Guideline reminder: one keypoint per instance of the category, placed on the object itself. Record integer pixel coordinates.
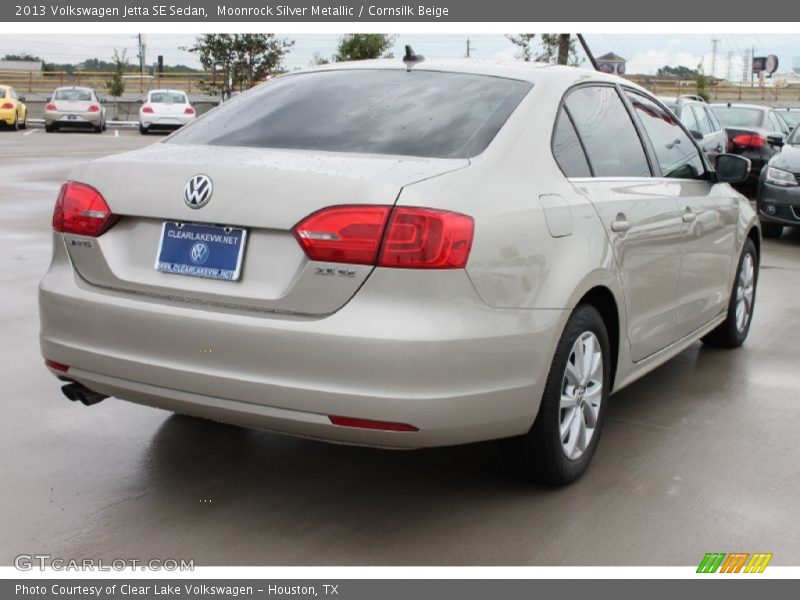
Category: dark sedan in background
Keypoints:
(755, 132)
(778, 199)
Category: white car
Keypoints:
(165, 109)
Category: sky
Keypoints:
(645, 53)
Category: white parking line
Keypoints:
(30, 132)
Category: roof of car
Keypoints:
(533, 72)
(74, 87)
(736, 105)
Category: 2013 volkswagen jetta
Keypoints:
(403, 257)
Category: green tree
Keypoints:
(361, 46)
(239, 60)
(523, 42)
(679, 71)
(116, 85)
(23, 56)
(558, 48)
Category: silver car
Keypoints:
(367, 254)
(74, 107)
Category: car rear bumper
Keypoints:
(82, 119)
(778, 204)
(418, 348)
(172, 122)
(7, 116)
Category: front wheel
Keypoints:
(560, 445)
(732, 332)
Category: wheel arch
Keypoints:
(602, 299)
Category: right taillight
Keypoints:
(82, 210)
(403, 237)
(750, 140)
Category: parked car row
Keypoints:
(80, 107)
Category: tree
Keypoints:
(523, 42)
(318, 59)
(560, 48)
(680, 72)
(239, 60)
(362, 46)
(24, 56)
(116, 85)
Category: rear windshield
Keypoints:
(167, 98)
(78, 95)
(416, 113)
(739, 117)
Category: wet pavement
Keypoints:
(702, 455)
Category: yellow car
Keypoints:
(13, 111)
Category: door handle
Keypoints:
(688, 216)
(621, 224)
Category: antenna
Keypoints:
(411, 59)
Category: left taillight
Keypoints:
(7, 105)
(82, 210)
(401, 237)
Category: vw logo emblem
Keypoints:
(198, 191)
(199, 253)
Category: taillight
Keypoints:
(750, 140)
(147, 109)
(7, 105)
(403, 237)
(93, 108)
(81, 209)
(189, 111)
(50, 106)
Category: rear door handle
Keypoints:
(689, 216)
(621, 225)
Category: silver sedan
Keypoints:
(399, 256)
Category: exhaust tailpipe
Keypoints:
(77, 392)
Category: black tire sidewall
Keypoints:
(544, 449)
(740, 336)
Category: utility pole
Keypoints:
(746, 65)
(714, 44)
(563, 48)
(142, 54)
(468, 47)
(729, 62)
(752, 73)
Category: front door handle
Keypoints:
(689, 216)
(621, 224)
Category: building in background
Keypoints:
(20, 65)
(611, 63)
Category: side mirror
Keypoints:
(775, 139)
(140, 101)
(49, 99)
(103, 101)
(696, 134)
(22, 98)
(732, 168)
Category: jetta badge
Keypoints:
(198, 191)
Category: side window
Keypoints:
(703, 124)
(12, 94)
(601, 120)
(714, 120)
(676, 153)
(567, 148)
(689, 120)
(777, 123)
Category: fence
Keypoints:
(45, 82)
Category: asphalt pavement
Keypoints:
(700, 456)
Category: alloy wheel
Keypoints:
(581, 395)
(745, 288)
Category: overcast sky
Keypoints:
(645, 53)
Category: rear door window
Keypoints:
(675, 151)
(373, 111)
(612, 144)
(567, 148)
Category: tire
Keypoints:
(48, 128)
(732, 332)
(15, 125)
(143, 130)
(24, 124)
(98, 129)
(771, 230)
(542, 453)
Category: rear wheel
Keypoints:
(560, 445)
(15, 124)
(771, 230)
(143, 130)
(98, 129)
(732, 332)
(24, 124)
